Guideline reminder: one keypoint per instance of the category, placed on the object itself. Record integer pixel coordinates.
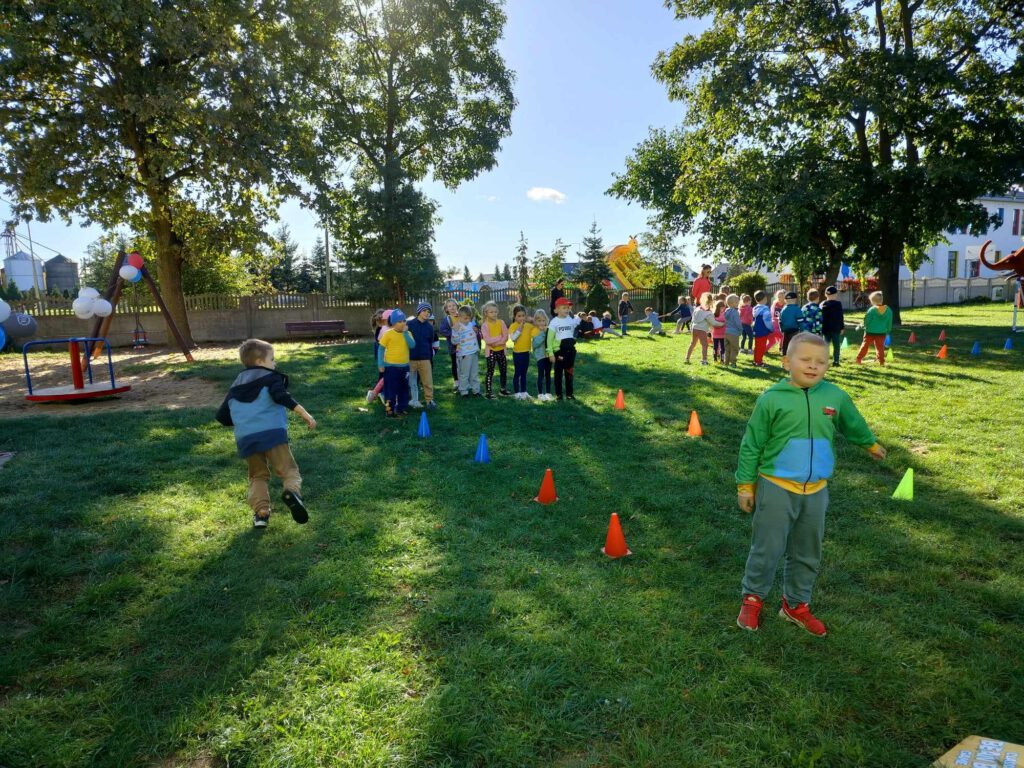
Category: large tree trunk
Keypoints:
(169, 259)
(889, 274)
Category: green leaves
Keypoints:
(834, 128)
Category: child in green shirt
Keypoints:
(877, 325)
(786, 458)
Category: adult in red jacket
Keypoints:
(702, 284)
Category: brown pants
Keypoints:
(424, 371)
(732, 348)
(876, 339)
(281, 460)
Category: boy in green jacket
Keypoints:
(877, 325)
(786, 458)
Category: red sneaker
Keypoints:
(801, 616)
(750, 613)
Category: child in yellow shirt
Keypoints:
(521, 332)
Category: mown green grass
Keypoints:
(431, 615)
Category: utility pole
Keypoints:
(32, 254)
(327, 257)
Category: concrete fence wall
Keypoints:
(230, 319)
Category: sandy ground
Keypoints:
(151, 390)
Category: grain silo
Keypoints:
(19, 268)
(61, 274)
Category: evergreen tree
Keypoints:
(497, 272)
(480, 277)
(522, 270)
(284, 274)
(466, 274)
(318, 267)
(593, 266)
(506, 272)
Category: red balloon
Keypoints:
(135, 259)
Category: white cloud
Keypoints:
(546, 194)
(492, 199)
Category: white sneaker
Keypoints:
(527, 396)
(369, 396)
(417, 404)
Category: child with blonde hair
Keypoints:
(877, 325)
(543, 349)
(444, 330)
(747, 324)
(703, 321)
(733, 328)
(495, 336)
(718, 331)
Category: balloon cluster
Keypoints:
(89, 303)
(131, 272)
(14, 325)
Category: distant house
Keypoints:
(61, 274)
(959, 258)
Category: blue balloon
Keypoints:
(3, 339)
(138, 276)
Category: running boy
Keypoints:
(877, 325)
(257, 407)
(786, 458)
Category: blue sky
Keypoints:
(586, 98)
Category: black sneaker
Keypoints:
(504, 392)
(465, 396)
(477, 394)
(260, 522)
(294, 502)
(489, 395)
(570, 397)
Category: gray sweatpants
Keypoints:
(469, 373)
(786, 525)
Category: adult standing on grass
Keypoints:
(625, 309)
(702, 284)
(557, 293)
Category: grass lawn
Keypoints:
(431, 615)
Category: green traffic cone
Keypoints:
(845, 344)
(905, 490)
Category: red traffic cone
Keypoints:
(615, 543)
(620, 401)
(546, 495)
(942, 353)
(694, 429)
(912, 339)
(942, 336)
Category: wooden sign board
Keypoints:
(979, 752)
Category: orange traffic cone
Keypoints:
(942, 336)
(694, 429)
(546, 495)
(615, 543)
(912, 339)
(942, 353)
(620, 401)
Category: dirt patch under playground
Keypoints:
(155, 388)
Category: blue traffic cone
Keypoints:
(1008, 344)
(888, 341)
(424, 426)
(976, 349)
(482, 455)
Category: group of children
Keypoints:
(746, 324)
(785, 458)
(404, 350)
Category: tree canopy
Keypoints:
(820, 131)
(137, 113)
(408, 89)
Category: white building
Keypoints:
(959, 258)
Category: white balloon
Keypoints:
(102, 308)
(83, 307)
(88, 293)
(5, 310)
(128, 272)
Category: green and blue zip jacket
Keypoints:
(790, 435)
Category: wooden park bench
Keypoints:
(319, 327)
